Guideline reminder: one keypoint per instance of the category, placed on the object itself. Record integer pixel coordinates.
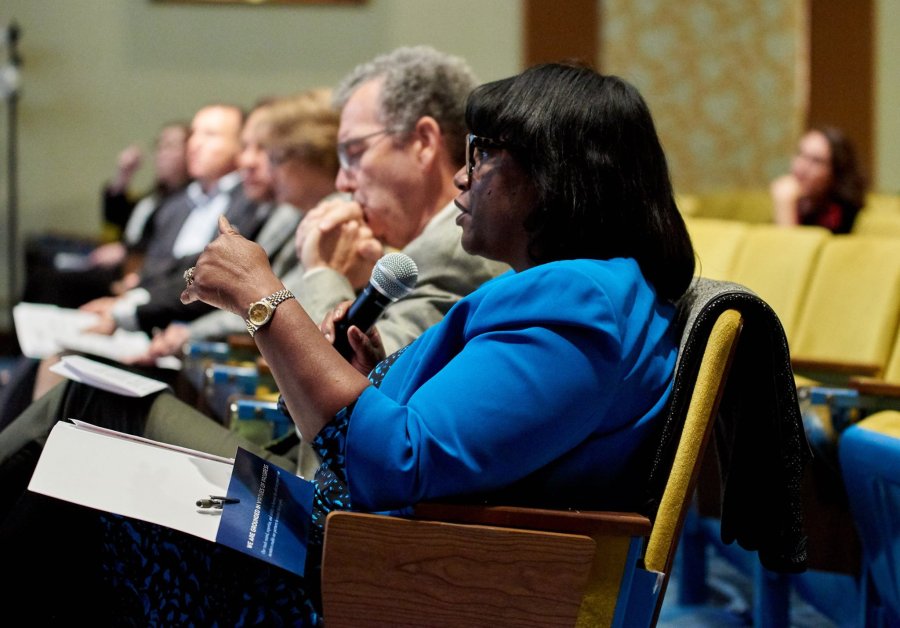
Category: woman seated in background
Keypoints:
(824, 187)
(546, 386)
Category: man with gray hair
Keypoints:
(400, 141)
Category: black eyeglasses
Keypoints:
(473, 142)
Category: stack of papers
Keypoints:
(45, 330)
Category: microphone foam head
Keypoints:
(395, 275)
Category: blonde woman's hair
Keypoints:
(302, 126)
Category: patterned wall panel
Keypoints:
(725, 80)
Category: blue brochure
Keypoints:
(272, 515)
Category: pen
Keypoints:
(216, 501)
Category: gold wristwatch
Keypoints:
(261, 312)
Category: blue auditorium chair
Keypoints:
(869, 455)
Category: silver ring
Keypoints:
(189, 276)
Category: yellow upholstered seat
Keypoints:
(878, 223)
(688, 204)
(752, 205)
(717, 244)
(849, 319)
(892, 369)
(880, 201)
(777, 263)
(836, 408)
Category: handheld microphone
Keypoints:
(393, 277)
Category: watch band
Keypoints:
(273, 300)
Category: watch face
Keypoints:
(259, 313)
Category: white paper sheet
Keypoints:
(40, 328)
(158, 484)
(45, 330)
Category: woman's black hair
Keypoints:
(589, 145)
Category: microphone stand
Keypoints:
(9, 89)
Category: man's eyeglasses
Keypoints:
(351, 151)
(474, 142)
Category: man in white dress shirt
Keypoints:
(188, 222)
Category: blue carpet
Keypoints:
(730, 602)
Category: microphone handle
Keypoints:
(363, 313)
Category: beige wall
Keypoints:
(726, 82)
(100, 74)
(887, 97)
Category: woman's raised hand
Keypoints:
(231, 273)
